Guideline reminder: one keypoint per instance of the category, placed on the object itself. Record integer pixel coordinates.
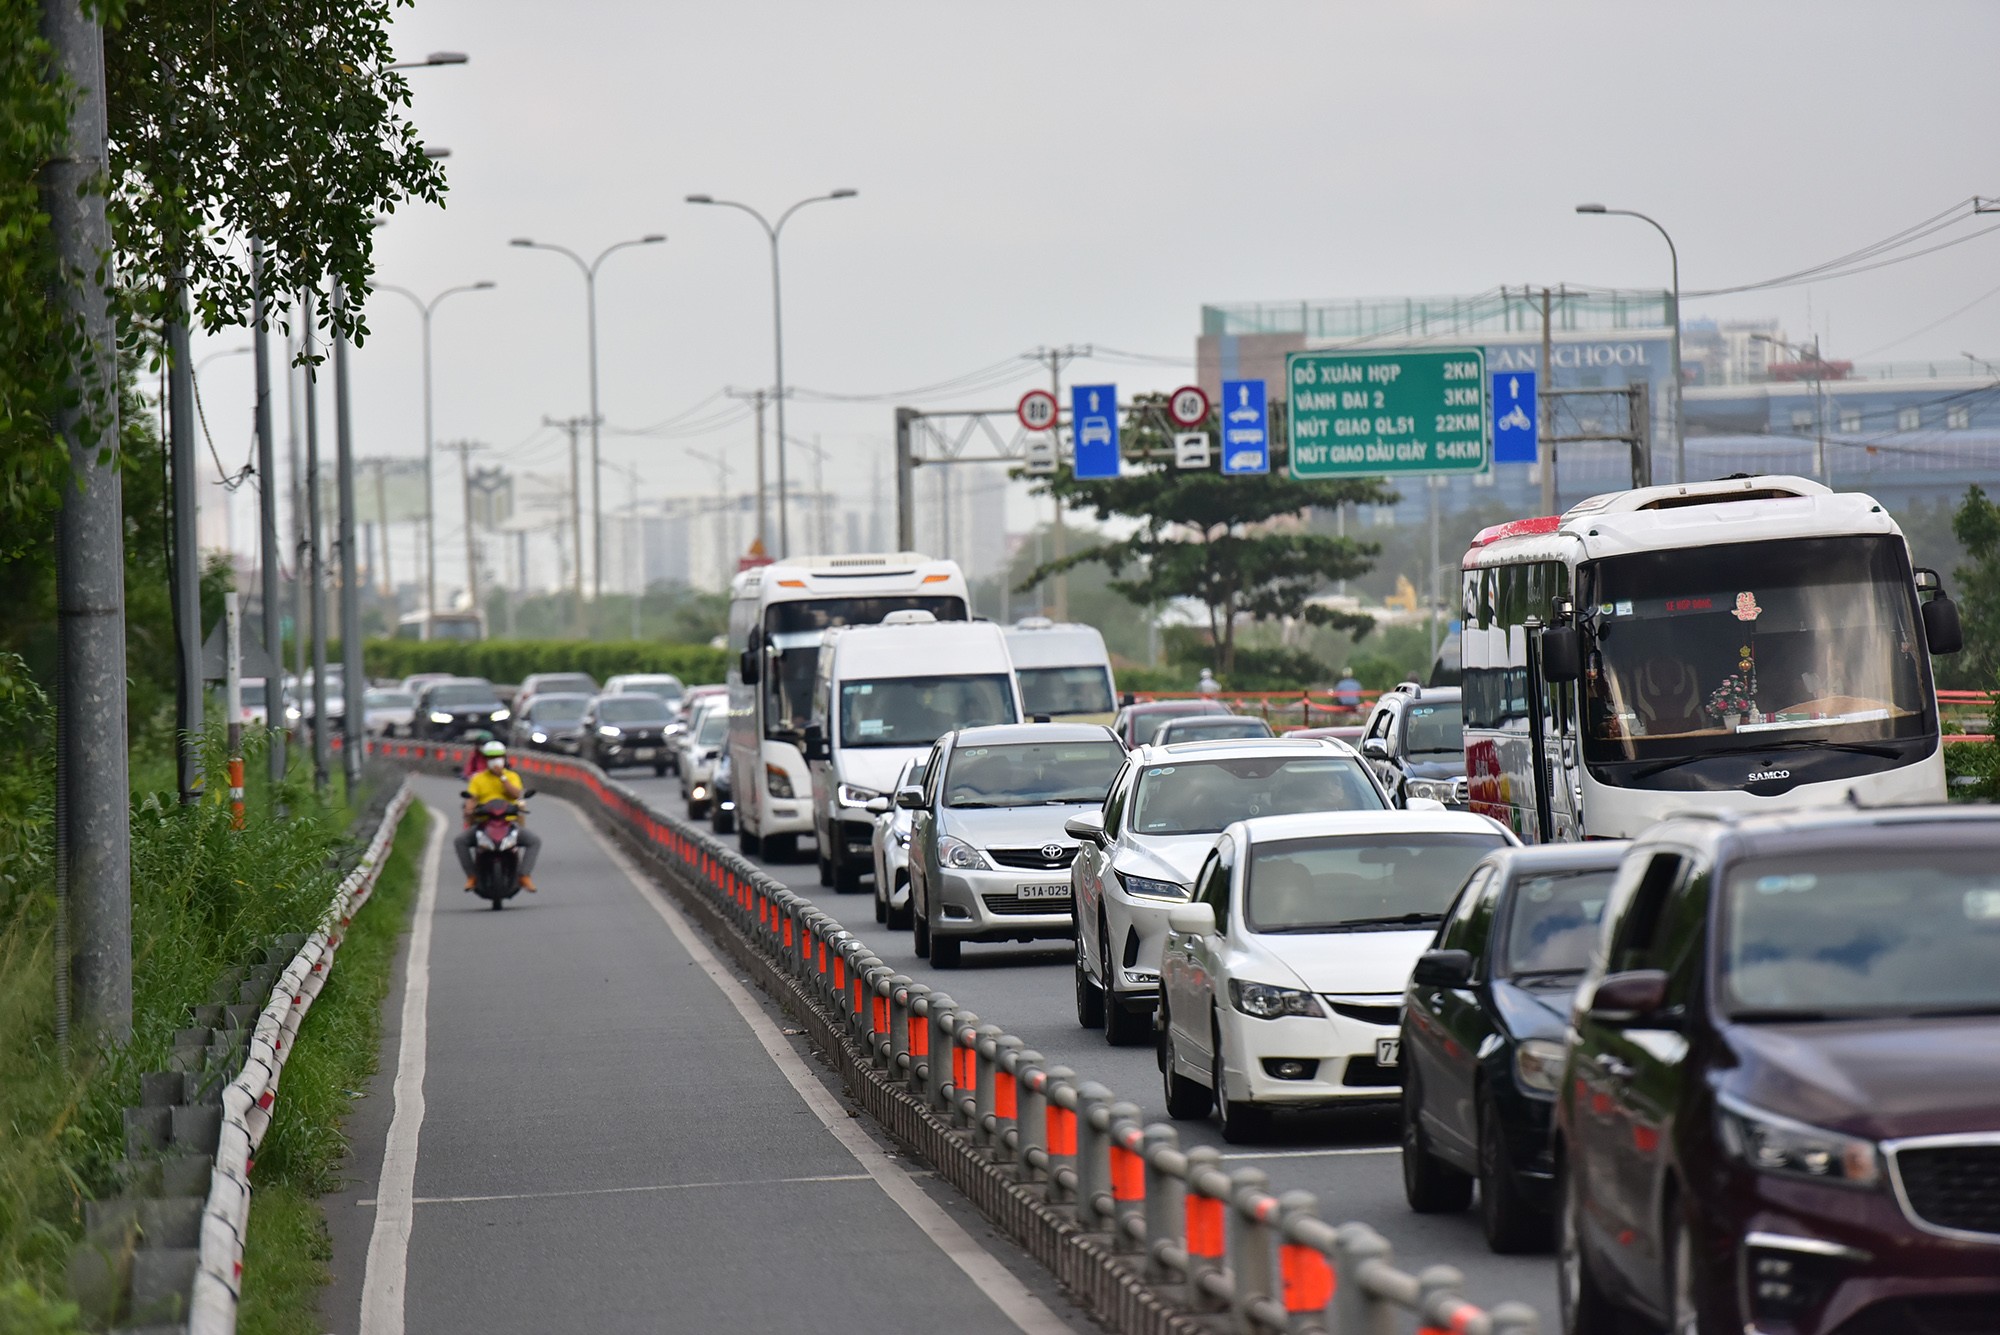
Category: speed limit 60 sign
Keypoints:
(1037, 410)
(1188, 406)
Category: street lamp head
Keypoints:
(482, 285)
(521, 241)
(1591, 208)
(436, 153)
(843, 193)
(701, 199)
(652, 238)
(446, 58)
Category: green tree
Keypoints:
(1238, 545)
(1976, 524)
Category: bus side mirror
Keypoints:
(1941, 629)
(1562, 653)
(747, 665)
(815, 743)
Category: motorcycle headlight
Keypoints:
(502, 715)
(606, 730)
(439, 716)
(1266, 1001)
(961, 856)
(1145, 887)
(1538, 1065)
(1773, 1144)
(779, 782)
(854, 795)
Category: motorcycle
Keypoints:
(496, 849)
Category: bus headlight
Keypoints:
(779, 782)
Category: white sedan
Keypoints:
(1282, 984)
(892, 850)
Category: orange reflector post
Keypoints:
(860, 996)
(822, 954)
(1204, 1226)
(964, 1067)
(1308, 1277)
(1062, 1130)
(920, 1036)
(1128, 1175)
(1004, 1101)
(788, 931)
(840, 973)
(881, 1015)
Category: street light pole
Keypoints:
(773, 231)
(425, 309)
(1680, 417)
(589, 269)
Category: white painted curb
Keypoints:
(247, 1102)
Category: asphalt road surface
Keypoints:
(1347, 1159)
(584, 1121)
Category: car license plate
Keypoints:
(643, 753)
(1388, 1052)
(1045, 890)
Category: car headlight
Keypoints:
(539, 736)
(1538, 1065)
(606, 730)
(1268, 1002)
(961, 856)
(779, 782)
(1145, 887)
(1774, 1144)
(502, 715)
(439, 716)
(854, 795)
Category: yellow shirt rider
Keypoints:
(496, 782)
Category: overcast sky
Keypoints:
(1094, 172)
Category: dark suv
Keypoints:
(1780, 1104)
(1415, 743)
(449, 709)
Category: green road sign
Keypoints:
(1362, 414)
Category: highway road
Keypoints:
(584, 1121)
(1348, 1159)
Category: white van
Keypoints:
(882, 694)
(1063, 669)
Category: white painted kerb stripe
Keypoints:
(1027, 1312)
(388, 1266)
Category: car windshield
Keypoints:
(916, 711)
(713, 728)
(1435, 729)
(557, 709)
(372, 700)
(565, 681)
(1755, 646)
(1065, 690)
(667, 688)
(1203, 796)
(1900, 930)
(631, 709)
(1146, 725)
(1553, 924)
(1358, 882)
(1031, 774)
(253, 694)
(463, 693)
(1211, 729)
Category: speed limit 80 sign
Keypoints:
(1037, 410)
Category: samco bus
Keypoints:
(777, 614)
(1748, 644)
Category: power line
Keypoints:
(1942, 319)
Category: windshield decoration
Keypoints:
(1746, 607)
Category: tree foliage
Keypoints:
(1976, 524)
(1237, 545)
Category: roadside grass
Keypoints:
(285, 1261)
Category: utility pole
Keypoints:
(93, 795)
(1547, 381)
(722, 542)
(353, 723)
(294, 421)
(756, 398)
(1055, 359)
(187, 553)
(465, 449)
(315, 549)
(267, 521)
(574, 426)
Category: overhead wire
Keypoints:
(1987, 295)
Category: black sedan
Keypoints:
(1482, 1045)
(449, 709)
(627, 730)
(551, 722)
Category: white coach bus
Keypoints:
(777, 615)
(1747, 644)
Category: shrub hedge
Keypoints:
(511, 660)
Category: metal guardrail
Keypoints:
(1206, 1239)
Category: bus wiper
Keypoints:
(1662, 766)
(1828, 744)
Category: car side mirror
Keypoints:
(877, 806)
(1562, 653)
(1375, 748)
(1191, 920)
(1087, 826)
(1443, 968)
(1942, 632)
(1627, 998)
(910, 798)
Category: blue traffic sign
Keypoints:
(1516, 419)
(1246, 428)
(1094, 422)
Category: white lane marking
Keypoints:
(1027, 1312)
(627, 1191)
(1316, 1154)
(388, 1266)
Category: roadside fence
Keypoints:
(1155, 1237)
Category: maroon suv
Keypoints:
(1780, 1106)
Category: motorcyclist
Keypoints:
(496, 781)
(475, 760)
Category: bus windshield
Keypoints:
(793, 630)
(1752, 646)
(1066, 690)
